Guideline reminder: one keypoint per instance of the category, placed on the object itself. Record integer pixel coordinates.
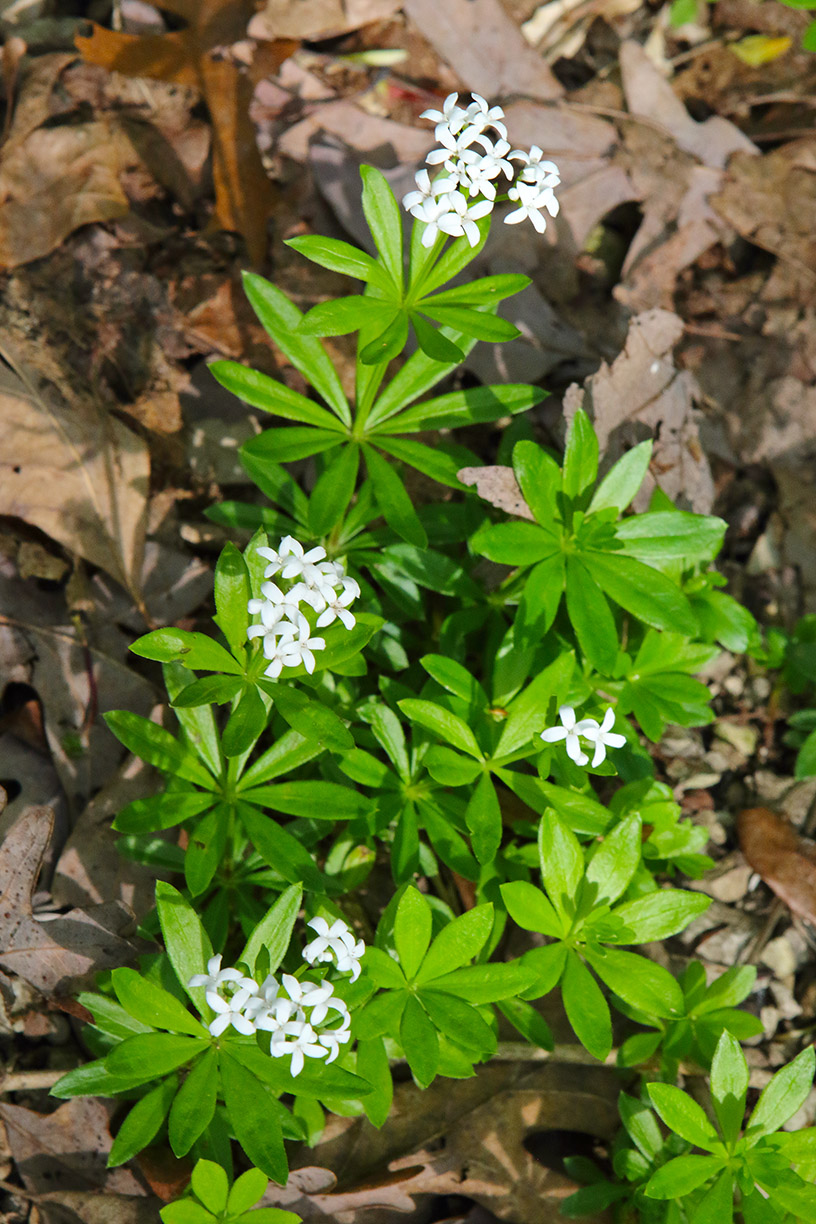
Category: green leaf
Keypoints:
(419, 1042)
(246, 723)
(193, 1108)
(671, 535)
(641, 1125)
(381, 1015)
(316, 1081)
(153, 1054)
(580, 456)
(389, 733)
(142, 1124)
(450, 768)
(210, 1184)
(442, 723)
(158, 747)
(194, 650)
(460, 1022)
(94, 1079)
(615, 860)
(382, 213)
(484, 291)
(287, 445)
(187, 943)
(659, 915)
(372, 1063)
(162, 811)
(484, 326)
(310, 718)
(433, 342)
(412, 930)
(530, 1023)
(485, 983)
(683, 1115)
(539, 478)
(783, 1096)
(286, 754)
(645, 592)
(457, 257)
(249, 1187)
(186, 1211)
(417, 376)
(457, 943)
(268, 394)
(434, 462)
(682, 1175)
(590, 616)
(388, 343)
(274, 931)
(232, 593)
(545, 966)
(467, 407)
(382, 969)
(342, 257)
(729, 1085)
(205, 690)
(528, 906)
(623, 480)
(586, 1008)
(484, 820)
(110, 1016)
(639, 982)
(256, 1125)
(281, 318)
(279, 849)
(393, 500)
(334, 490)
(316, 800)
(561, 861)
(526, 712)
(718, 1205)
(155, 1007)
(455, 678)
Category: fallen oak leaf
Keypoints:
(784, 860)
(497, 485)
(56, 952)
(194, 57)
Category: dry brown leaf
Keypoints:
(316, 19)
(485, 1122)
(497, 485)
(642, 394)
(55, 951)
(65, 1150)
(244, 195)
(95, 1207)
(786, 861)
(484, 47)
(73, 471)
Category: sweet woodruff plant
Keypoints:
(477, 733)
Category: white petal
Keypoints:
(553, 734)
(219, 1024)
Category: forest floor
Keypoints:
(677, 288)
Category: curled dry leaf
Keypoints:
(73, 471)
(786, 861)
(57, 952)
(497, 485)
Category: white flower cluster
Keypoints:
(323, 585)
(304, 1018)
(599, 734)
(472, 162)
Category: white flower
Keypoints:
(335, 943)
(231, 1011)
(215, 977)
(603, 736)
(303, 1043)
(461, 219)
(482, 115)
(292, 649)
(544, 173)
(276, 606)
(531, 199)
(337, 607)
(569, 731)
(426, 190)
(488, 167)
(452, 115)
(455, 146)
(333, 1038)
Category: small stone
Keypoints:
(741, 736)
(779, 956)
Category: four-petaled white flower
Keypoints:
(600, 735)
(335, 943)
(337, 607)
(303, 1043)
(531, 199)
(603, 736)
(473, 161)
(294, 647)
(215, 977)
(232, 1011)
(333, 1038)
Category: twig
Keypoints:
(29, 1081)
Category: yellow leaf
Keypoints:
(758, 49)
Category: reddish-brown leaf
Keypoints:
(786, 861)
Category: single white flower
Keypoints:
(603, 737)
(569, 731)
(317, 996)
(231, 1011)
(277, 606)
(481, 115)
(292, 649)
(303, 1044)
(531, 199)
(451, 116)
(534, 170)
(489, 166)
(215, 977)
(337, 607)
(454, 145)
(333, 1038)
(461, 219)
(426, 190)
(335, 943)
(296, 563)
